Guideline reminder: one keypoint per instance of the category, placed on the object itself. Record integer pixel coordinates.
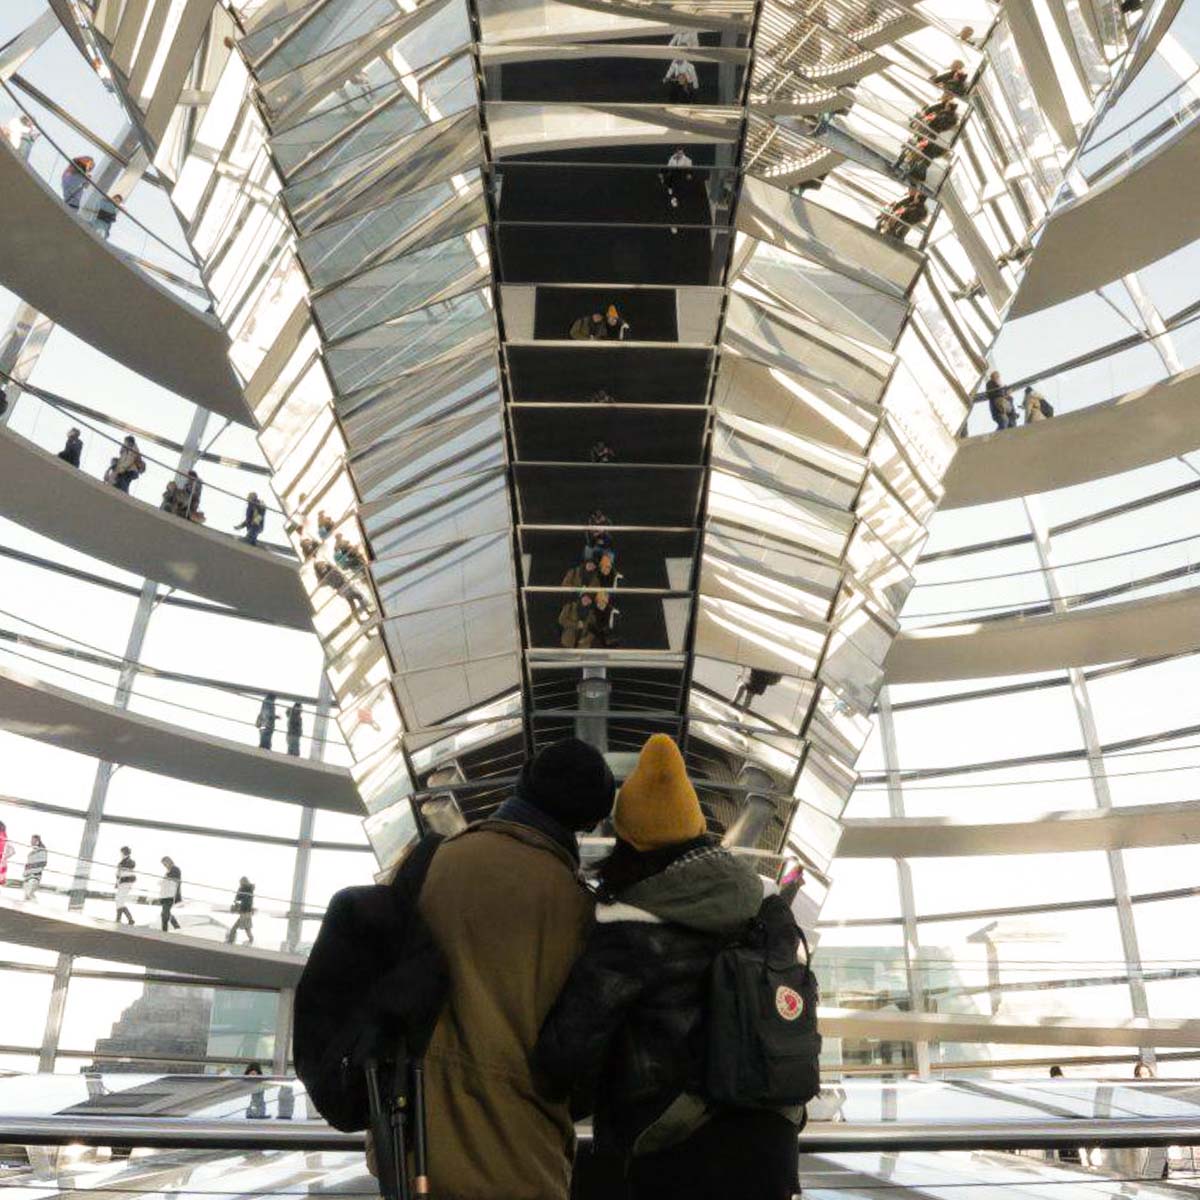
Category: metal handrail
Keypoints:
(819, 1137)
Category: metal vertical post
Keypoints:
(283, 1030)
(758, 808)
(908, 908)
(104, 774)
(591, 724)
(1099, 779)
(295, 927)
(20, 348)
(54, 1014)
(304, 843)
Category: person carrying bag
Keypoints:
(365, 1009)
(688, 1024)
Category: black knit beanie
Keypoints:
(571, 782)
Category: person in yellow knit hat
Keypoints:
(657, 805)
(625, 1037)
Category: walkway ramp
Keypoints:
(61, 502)
(893, 1025)
(1134, 430)
(31, 708)
(1116, 228)
(1129, 827)
(1148, 628)
(58, 264)
(86, 937)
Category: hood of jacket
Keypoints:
(708, 890)
(530, 836)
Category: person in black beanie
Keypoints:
(506, 905)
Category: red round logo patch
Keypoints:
(788, 1003)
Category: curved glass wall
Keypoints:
(1049, 934)
(1027, 937)
(80, 624)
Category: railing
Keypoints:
(1125, 365)
(129, 236)
(819, 1137)
(204, 913)
(1086, 584)
(102, 437)
(224, 709)
(1143, 134)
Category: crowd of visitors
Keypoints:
(931, 132)
(587, 620)
(181, 497)
(76, 179)
(127, 466)
(169, 885)
(902, 215)
(342, 569)
(926, 146)
(76, 182)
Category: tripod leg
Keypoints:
(400, 1117)
(381, 1133)
(420, 1147)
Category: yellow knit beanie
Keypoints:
(657, 805)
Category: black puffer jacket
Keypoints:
(626, 1037)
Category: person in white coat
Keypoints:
(682, 81)
(1032, 403)
(126, 878)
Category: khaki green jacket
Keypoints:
(507, 907)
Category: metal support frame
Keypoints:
(28, 331)
(55, 1013)
(21, 346)
(284, 1020)
(284, 1017)
(20, 49)
(591, 725)
(758, 808)
(908, 907)
(104, 771)
(820, 1137)
(295, 927)
(1158, 333)
(1098, 773)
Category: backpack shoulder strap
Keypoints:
(804, 943)
(410, 877)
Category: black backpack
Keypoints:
(371, 990)
(1047, 407)
(763, 1046)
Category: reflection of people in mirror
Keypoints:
(256, 1110)
(366, 717)
(682, 81)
